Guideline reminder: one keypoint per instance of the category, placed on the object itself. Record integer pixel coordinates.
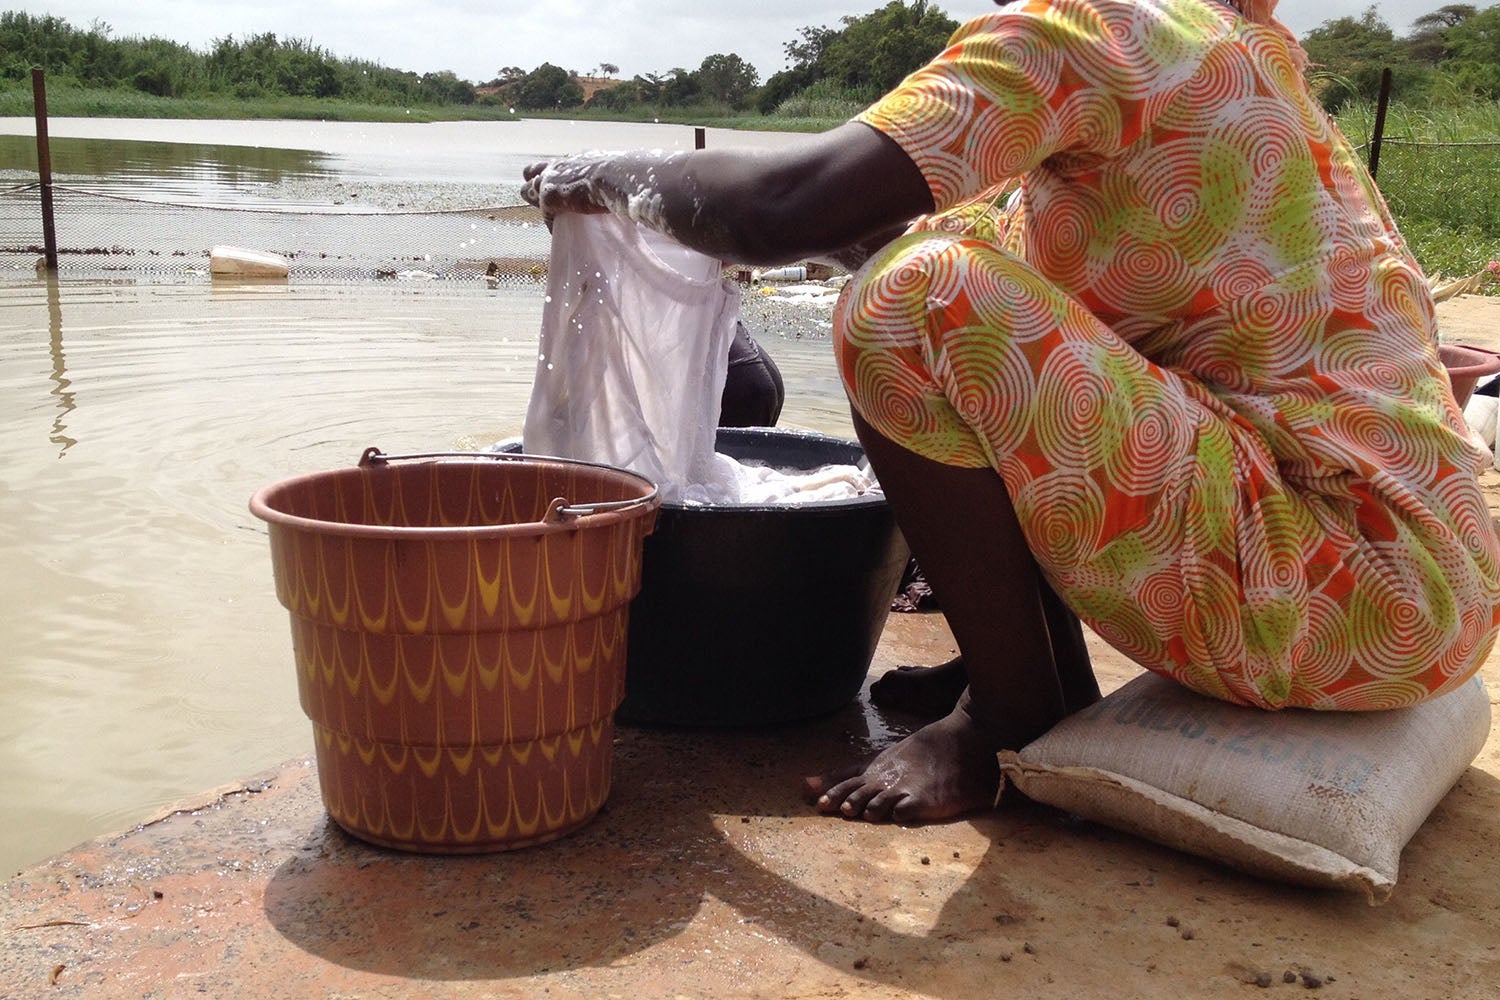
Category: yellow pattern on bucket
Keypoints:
(460, 657)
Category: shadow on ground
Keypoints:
(694, 818)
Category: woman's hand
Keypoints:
(565, 185)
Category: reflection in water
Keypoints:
(386, 165)
(205, 172)
(112, 158)
(60, 379)
(152, 197)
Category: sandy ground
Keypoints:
(1471, 319)
(1475, 319)
(706, 876)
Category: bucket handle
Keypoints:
(556, 510)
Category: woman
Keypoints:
(1191, 395)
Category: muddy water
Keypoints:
(145, 657)
(378, 165)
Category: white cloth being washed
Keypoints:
(631, 364)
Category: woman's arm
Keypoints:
(834, 191)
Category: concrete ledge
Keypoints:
(707, 876)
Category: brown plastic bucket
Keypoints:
(1466, 365)
(459, 630)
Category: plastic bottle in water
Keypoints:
(797, 272)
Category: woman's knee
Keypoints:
(893, 295)
(898, 326)
(955, 300)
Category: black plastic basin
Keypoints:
(753, 614)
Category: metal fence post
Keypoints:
(1380, 105)
(44, 165)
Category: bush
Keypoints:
(826, 99)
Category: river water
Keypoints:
(437, 165)
(146, 658)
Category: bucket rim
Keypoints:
(815, 508)
(1463, 360)
(637, 508)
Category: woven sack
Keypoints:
(1315, 798)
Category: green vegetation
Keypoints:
(1440, 172)
(1451, 54)
(851, 66)
(90, 72)
(66, 101)
(259, 68)
(1439, 163)
(867, 57)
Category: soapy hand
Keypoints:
(565, 185)
(631, 184)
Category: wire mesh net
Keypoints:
(103, 234)
(1443, 180)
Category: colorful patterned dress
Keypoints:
(1200, 357)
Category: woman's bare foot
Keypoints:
(926, 692)
(943, 770)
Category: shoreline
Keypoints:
(69, 102)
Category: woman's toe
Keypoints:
(884, 805)
(818, 789)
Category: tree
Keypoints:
(258, 66)
(100, 60)
(865, 58)
(1347, 56)
(1428, 40)
(649, 87)
(162, 68)
(27, 40)
(621, 97)
(444, 87)
(548, 86)
(679, 87)
(781, 86)
(302, 69)
(1446, 17)
(608, 69)
(807, 51)
(727, 78)
(1473, 48)
(875, 52)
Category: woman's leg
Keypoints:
(928, 692)
(931, 692)
(985, 397)
(753, 390)
(1070, 652)
(963, 530)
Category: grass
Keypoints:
(65, 101)
(1445, 198)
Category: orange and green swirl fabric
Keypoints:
(1197, 351)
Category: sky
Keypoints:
(476, 38)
